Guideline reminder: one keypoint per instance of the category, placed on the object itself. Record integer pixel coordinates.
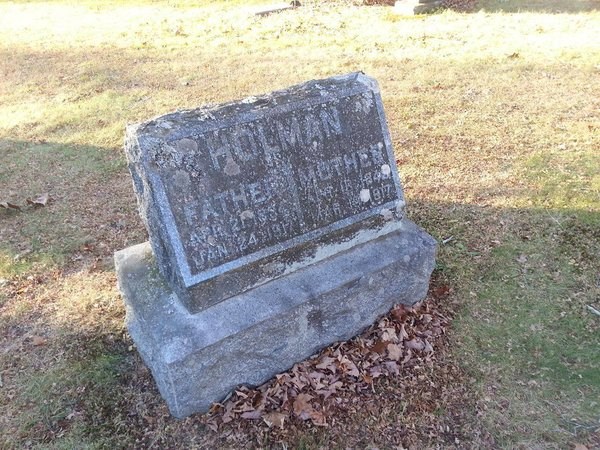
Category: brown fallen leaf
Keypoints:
(415, 344)
(228, 415)
(212, 425)
(327, 363)
(37, 341)
(403, 333)
(348, 367)
(426, 318)
(428, 348)
(299, 381)
(275, 419)
(331, 390)
(441, 291)
(318, 418)
(400, 312)
(392, 367)
(389, 334)
(254, 414)
(215, 408)
(375, 371)
(394, 351)
(367, 378)
(302, 407)
(580, 447)
(437, 331)
(9, 205)
(315, 380)
(40, 200)
(380, 347)
(240, 392)
(282, 378)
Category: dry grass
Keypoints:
(495, 120)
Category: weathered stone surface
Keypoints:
(429, 7)
(412, 7)
(197, 359)
(277, 8)
(243, 193)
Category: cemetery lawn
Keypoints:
(495, 119)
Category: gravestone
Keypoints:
(276, 228)
(415, 7)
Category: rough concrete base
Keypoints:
(415, 7)
(197, 359)
(428, 7)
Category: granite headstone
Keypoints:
(277, 226)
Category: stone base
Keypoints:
(428, 7)
(197, 359)
(415, 7)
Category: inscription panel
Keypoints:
(268, 177)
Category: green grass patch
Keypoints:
(543, 6)
(12, 264)
(46, 236)
(56, 397)
(531, 336)
(28, 161)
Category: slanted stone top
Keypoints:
(223, 187)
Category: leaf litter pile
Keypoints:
(314, 389)
(395, 358)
